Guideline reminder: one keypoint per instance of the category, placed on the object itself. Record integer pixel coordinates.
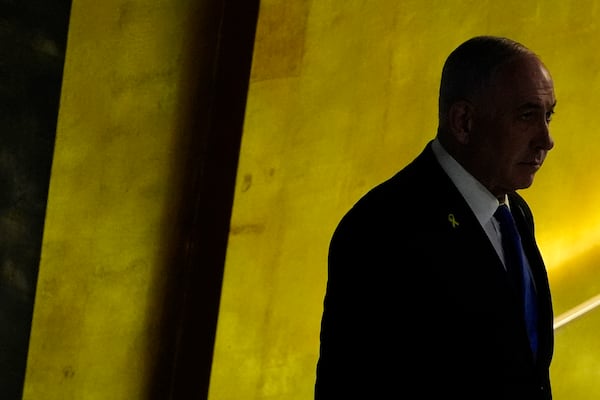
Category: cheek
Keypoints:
(501, 155)
(511, 140)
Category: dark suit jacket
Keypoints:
(418, 304)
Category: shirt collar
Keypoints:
(481, 201)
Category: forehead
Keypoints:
(524, 79)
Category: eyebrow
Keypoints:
(534, 105)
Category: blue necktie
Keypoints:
(518, 270)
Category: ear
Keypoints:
(460, 118)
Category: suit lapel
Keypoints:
(454, 214)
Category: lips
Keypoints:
(533, 165)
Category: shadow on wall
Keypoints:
(32, 48)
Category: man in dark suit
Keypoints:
(419, 301)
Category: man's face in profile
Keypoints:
(510, 136)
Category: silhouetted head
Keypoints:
(496, 102)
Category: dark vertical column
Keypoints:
(208, 202)
(33, 36)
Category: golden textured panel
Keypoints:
(362, 103)
(280, 35)
(113, 199)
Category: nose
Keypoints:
(545, 140)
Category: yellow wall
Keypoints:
(121, 145)
(342, 95)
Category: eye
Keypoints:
(549, 115)
(526, 116)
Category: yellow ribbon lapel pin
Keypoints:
(452, 220)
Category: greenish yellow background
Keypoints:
(130, 71)
(342, 95)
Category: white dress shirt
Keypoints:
(481, 201)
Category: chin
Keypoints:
(525, 183)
